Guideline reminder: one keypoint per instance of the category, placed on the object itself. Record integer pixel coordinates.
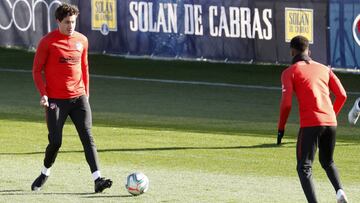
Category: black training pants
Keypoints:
(309, 139)
(80, 113)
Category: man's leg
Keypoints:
(326, 151)
(81, 116)
(56, 115)
(305, 153)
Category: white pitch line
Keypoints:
(172, 81)
(186, 82)
(14, 70)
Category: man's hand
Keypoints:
(280, 135)
(44, 101)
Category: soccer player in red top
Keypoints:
(60, 72)
(312, 83)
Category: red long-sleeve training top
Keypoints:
(312, 84)
(62, 60)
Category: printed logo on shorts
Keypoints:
(52, 106)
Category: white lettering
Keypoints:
(48, 8)
(161, 19)
(257, 25)
(214, 30)
(198, 20)
(15, 9)
(223, 25)
(234, 22)
(245, 22)
(193, 20)
(267, 13)
(142, 14)
(172, 17)
(189, 19)
(13, 15)
(11, 21)
(133, 7)
(153, 24)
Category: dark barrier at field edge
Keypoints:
(232, 30)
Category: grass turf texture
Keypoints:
(195, 143)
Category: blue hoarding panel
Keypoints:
(344, 18)
(222, 30)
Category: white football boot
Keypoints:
(341, 197)
(354, 113)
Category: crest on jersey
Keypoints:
(79, 46)
(356, 29)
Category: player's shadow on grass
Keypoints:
(9, 191)
(80, 194)
(106, 196)
(28, 192)
(86, 194)
(267, 145)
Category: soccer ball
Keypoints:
(137, 183)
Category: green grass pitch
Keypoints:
(196, 143)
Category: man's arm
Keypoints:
(85, 68)
(286, 102)
(38, 66)
(339, 92)
(286, 98)
(37, 71)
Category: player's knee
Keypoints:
(303, 168)
(55, 145)
(87, 139)
(326, 163)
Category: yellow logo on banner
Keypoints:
(299, 21)
(104, 15)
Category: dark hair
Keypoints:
(299, 43)
(65, 10)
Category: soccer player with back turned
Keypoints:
(312, 83)
(60, 72)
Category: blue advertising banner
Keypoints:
(345, 34)
(256, 31)
(232, 30)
